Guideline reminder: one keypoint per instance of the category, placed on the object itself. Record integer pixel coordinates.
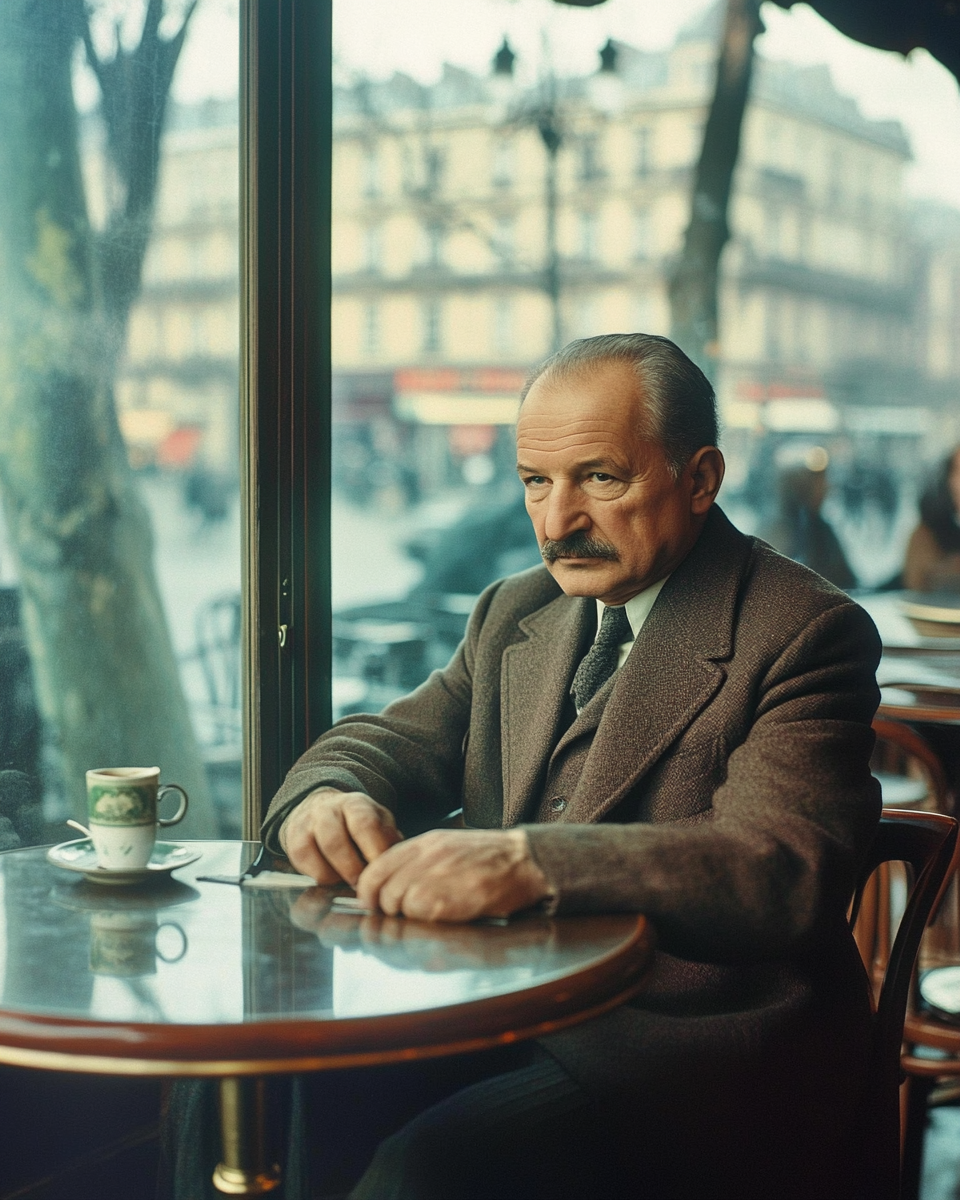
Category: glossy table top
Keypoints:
(920, 687)
(897, 632)
(919, 676)
(188, 977)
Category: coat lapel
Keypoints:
(534, 683)
(673, 672)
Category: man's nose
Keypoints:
(565, 512)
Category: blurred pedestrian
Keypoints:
(799, 530)
(933, 553)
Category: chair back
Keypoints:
(924, 842)
(909, 768)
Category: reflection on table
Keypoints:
(192, 970)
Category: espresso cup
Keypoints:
(122, 807)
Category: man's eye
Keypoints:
(601, 477)
(535, 480)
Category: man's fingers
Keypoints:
(454, 875)
(332, 836)
(305, 855)
(371, 827)
(378, 873)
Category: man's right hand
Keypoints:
(332, 835)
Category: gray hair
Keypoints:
(679, 397)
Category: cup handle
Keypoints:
(183, 942)
(181, 811)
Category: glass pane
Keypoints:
(508, 177)
(119, 546)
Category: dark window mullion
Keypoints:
(286, 388)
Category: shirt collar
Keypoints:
(637, 609)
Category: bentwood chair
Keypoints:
(910, 771)
(925, 843)
(912, 775)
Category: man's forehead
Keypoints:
(598, 402)
(602, 387)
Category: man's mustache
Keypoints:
(578, 545)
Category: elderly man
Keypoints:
(671, 719)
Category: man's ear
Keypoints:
(705, 471)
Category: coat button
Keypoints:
(558, 804)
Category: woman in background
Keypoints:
(799, 530)
(933, 552)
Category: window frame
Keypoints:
(285, 168)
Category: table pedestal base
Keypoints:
(244, 1170)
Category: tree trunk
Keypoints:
(107, 678)
(694, 280)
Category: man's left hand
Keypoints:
(454, 875)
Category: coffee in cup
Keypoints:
(122, 807)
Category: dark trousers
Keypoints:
(499, 1125)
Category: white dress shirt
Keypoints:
(637, 610)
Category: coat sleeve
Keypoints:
(777, 853)
(409, 758)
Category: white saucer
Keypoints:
(81, 857)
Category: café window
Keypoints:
(120, 572)
(830, 338)
(122, 639)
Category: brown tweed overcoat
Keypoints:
(718, 783)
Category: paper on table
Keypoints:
(278, 879)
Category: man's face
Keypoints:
(609, 516)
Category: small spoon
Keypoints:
(76, 825)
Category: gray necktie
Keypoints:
(601, 661)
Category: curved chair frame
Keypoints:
(926, 843)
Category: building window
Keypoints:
(371, 173)
(644, 151)
(502, 172)
(773, 231)
(371, 328)
(503, 325)
(432, 315)
(643, 247)
(433, 239)
(503, 241)
(588, 236)
(590, 168)
(774, 328)
(372, 248)
(586, 316)
(433, 168)
(835, 188)
(198, 332)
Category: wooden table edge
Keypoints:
(923, 714)
(46, 1043)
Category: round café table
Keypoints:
(190, 978)
(919, 675)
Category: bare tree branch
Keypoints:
(694, 281)
(135, 87)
